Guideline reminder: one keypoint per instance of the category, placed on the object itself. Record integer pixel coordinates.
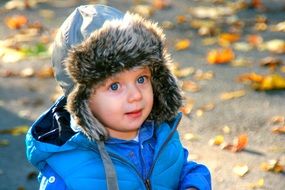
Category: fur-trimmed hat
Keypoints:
(118, 45)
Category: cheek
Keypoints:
(102, 105)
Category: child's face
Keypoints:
(123, 102)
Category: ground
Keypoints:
(23, 98)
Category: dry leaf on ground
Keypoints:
(238, 145)
(182, 44)
(263, 82)
(217, 140)
(232, 95)
(16, 21)
(272, 166)
(241, 169)
(220, 56)
(190, 86)
(19, 130)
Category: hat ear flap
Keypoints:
(167, 94)
(77, 104)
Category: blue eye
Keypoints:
(141, 79)
(114, 86)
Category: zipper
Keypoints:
(162, 147)
(146, 182)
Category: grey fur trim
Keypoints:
(121, 45)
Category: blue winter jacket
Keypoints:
(68, 160)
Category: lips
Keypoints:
(135, 113)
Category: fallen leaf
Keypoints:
(27, 72)
(232, 95)
(9, 55)
(183, 72)
(182, 44)
(276, 46)
(271, 62)
(259, 184)
(220, 56)
(167, 25)
(20, 4)
(143, 10)
(240, 142)
(272, 166)
(210, 12)
(280, 27)
(228, 38)
(238, 145)
(180, 19)
(190, 86)
(254, 39)
(241, 62)
(242, 46)
(279, 130)
(19, 130)
(45, 72)
(217, 140)
(16, 21)
(263, 82)
(241, 170)
(161, 4)
(190, 137)
(187, 108)
(277, 120)
(200, 75)
(226, 129)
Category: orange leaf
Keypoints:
(241, 142)
(161, 4)
(226, 38)
(220, 56)
(180, 19)
(250, 77)
(16, 22)
(182, 44)
(254, 39)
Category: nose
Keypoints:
(134, 93)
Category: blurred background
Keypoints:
(228, 57)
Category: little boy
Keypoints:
(116, 125)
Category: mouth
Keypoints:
(135, 113)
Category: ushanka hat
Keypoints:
(107, 42)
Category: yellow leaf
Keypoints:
(9, 55)
(15, 131)
(241, 170)
(218, 140)
(232, 95)
(182, 44)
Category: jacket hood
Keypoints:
(119, 44)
